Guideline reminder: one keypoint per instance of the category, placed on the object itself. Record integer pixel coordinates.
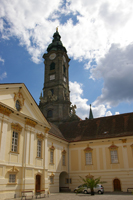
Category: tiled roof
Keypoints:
(98, 128)
(55, 131)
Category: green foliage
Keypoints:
(79, 190)
(91, 182)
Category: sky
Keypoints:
(98, 36)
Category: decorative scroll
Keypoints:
(5, 111)
(64, 151)
(13, 170)
(19, 97)
(17, 127)
(46, 129)
(40, 136)
(124, 140)
(30, 122)
(52, 147)
(113, 146)
(89, 176)
(52, 174)
(88, 148)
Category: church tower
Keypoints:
(55, 100)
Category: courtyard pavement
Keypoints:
(73, 196)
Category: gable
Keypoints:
(11, 93)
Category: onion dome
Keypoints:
(56, 43)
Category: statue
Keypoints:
(72, 109)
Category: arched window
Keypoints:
(50, 113)
(52, 66)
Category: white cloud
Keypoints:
(3, 75)
(117, 113)
(116, 68)
(99, 24)
(2, 60)
(76, 99)
(108, 113)
(82, 107)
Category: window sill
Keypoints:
(13, 152)
(12, 183)
(40, 158)
(88, 164)
(51, 163)
(115, 163)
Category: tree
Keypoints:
(91, 183)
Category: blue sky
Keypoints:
(98, 39)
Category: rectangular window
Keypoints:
(51, 157)
(68, 180)
(63, 159)
(14, 142)
(88, 158)
(12, 178)
(39, 148)
(114, 156)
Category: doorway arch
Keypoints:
(63, 184)
(117, 184)
(38, 182)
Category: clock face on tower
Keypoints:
(52, 56)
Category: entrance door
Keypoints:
(38, 182)
(117, 185)
(63, 185)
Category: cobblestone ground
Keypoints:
(73, 196)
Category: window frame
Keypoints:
(114, 157)
(52, 149)
(52, 77)
(49, 113)
(68, 181)
(39, 151)
(51, 157)
(63, 159)
(16, 128)
(113, 148)
(88, 150)
(11, 182)
(13, 145)
(12, 172)
(52, 66)
(87, 160)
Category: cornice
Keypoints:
(5, 110)
(16, 127)
(30, 122)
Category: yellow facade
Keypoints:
(101, 162)
(20, 168)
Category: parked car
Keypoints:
(98, 189)
(80, 188)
